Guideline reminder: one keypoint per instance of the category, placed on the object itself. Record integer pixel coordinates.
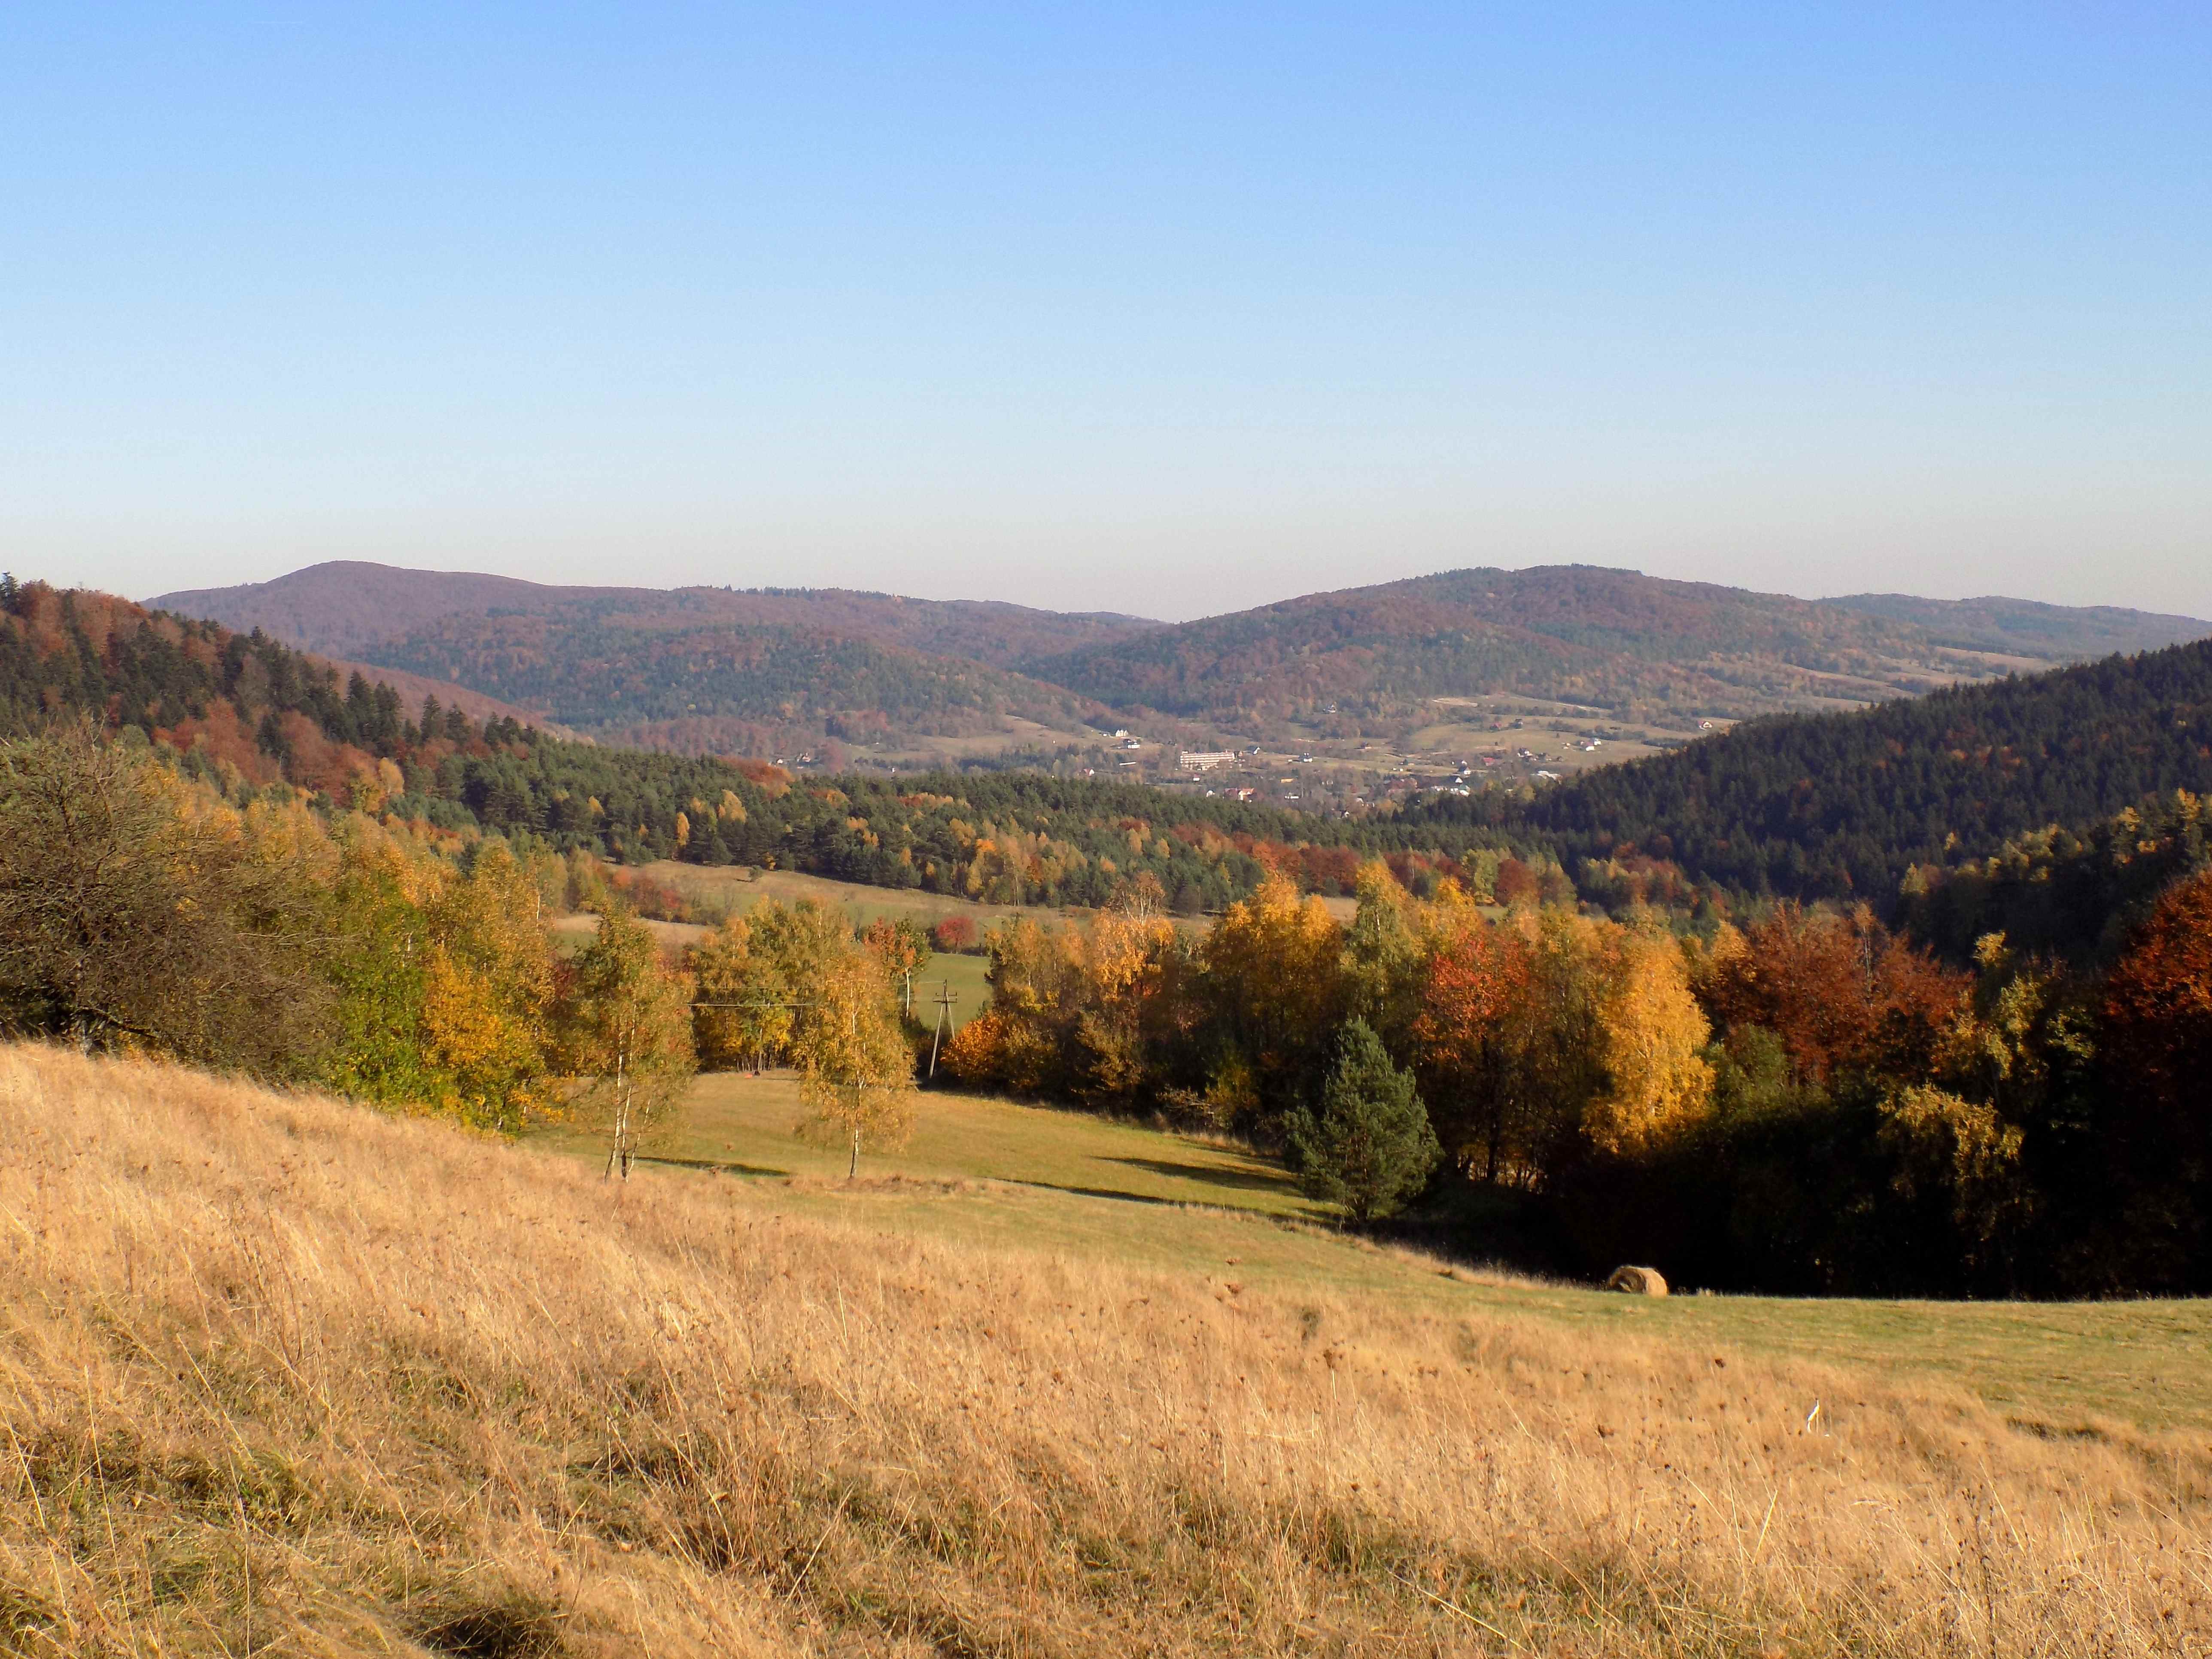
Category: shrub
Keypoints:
(956, 934)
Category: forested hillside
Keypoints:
(249, 714)
(737, 687)
(1842, 806)
(1615, 639)
(697, 670)
(2071, 892)
(347, 606)
(2049, 631)
(766, 671)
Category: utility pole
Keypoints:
(945, 998)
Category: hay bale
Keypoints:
(1637, 1281)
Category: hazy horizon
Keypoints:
(1166, 314)
(616, 580)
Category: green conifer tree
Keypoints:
(1370, 1148)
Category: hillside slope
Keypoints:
(1844, 806)
(243, 713)
(695, 670)
(2052, 631)
(286, 1375)
(699, 669)
(1632, 645)
(716, 686)
(348, 606)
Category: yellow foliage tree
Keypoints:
(1274, 977)
(488, 988)
(743, 1014)
(856, 1072)
(1651, 1033)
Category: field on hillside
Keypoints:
(980, 1169)
(728, 887)
(285, 1375)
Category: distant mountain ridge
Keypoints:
(722, 670)
(1610, 639)
(2026, 625)
(346, 607)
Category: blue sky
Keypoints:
(1163, 311)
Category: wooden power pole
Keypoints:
(946, 996)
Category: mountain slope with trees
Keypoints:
(1635, 646)
(347, 606)
(256, 719)
(2056, 632)
(1846, 806)
(723, 686)
(766, 671)
(1843, 806)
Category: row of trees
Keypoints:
(1809, 1103)
(141, 913)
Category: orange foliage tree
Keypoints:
(1836, 990)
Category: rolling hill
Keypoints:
(696, 670)
(1844, 805)
(718, 686)
(349, 607)
(2051, 631)
(1634, 646)
(1833, 805)
(765, 671)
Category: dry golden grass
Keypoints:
(280, 1376)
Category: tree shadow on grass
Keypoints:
(718, 1165)
(1214, 1174)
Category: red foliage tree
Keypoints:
(1838, 991)
(1517, 884)
(954, 933)
(2157, 1053)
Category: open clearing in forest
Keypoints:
(738, 888)
(1026, 1177)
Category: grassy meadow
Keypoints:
(978, 1169)
(726, 890)
(287, 1375)
(730, 887)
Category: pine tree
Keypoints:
(1370, 1147)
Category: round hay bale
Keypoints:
(1637, 1281)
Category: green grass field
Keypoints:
(739, 888)
(1029, 1178)
(732, 887)
(966, 977)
